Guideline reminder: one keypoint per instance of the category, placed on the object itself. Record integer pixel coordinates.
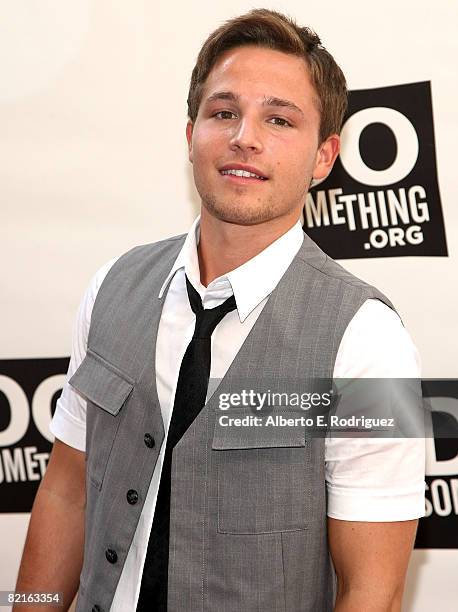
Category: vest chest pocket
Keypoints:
(262, 479)
(106, 390)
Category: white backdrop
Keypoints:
(93, 161)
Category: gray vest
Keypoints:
(248, 514)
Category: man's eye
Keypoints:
(223, 115)
(280, 121)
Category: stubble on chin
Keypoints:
(236, 212)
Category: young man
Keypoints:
(147, 503)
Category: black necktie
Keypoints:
(190, 397)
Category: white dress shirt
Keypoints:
(366, 479)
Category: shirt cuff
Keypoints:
(68, 429)
(348, 505)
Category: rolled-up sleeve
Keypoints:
(69, 421)
(376, 479)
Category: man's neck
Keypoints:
(226, 246)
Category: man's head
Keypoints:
(272, 30)
(267, 98)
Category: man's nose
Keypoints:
(246, 136)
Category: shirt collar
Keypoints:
(251, 282)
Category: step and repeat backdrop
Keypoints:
(93, 161)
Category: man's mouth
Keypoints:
(246, 173)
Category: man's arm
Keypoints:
(53, 552)
(371, 562)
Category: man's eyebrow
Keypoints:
(272, 101)
(223, 95)
(268, 101)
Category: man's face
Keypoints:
(259, 114)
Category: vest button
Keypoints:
(132, 496)
(149, 440)
(96, 609)
(111, 556)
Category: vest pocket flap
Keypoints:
(244, 430)
(100, 382)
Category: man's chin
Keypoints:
(239, 215)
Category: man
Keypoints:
(180, 513)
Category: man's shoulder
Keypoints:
(153, 248)
(142, 256)
(137, 259)
(312, 256)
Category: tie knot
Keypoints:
(207, 319)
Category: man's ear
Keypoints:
(326, 156)
(189, 128)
